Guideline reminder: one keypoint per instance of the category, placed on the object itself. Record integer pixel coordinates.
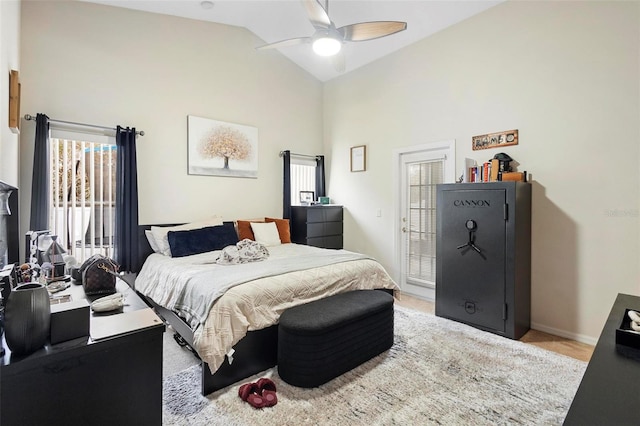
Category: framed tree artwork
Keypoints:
(218, 148)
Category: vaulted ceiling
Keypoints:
(274, 20)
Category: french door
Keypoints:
(419, 170)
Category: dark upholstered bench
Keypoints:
(321, 340)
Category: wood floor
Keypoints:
(543, 340)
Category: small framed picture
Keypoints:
(307, 197)
(359, 158)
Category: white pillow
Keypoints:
(160, 232)
(152, 241)
(266, 233)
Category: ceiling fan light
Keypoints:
(326, 46)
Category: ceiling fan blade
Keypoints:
(370, 30)
(285, 43)
(317, 15)
(338, 61)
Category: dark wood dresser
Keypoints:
(113, 377)
(609, 393)
(318, 225)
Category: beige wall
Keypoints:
(9, 60)
(566, 74)
(110, 66)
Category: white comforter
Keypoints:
(257, 303)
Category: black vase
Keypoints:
(27, 317)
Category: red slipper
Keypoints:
(267, 389)
(247, 389)
(257, 401)
(250, 392)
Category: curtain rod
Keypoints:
(299, 155)
(32, 118)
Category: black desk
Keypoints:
(609, 393)
(114, 380)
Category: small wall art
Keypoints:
(495, 140)
(218, 148)
(359, 158)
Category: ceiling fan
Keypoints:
(327, 39)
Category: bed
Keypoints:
(235, 333)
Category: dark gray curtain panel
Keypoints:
(39, 219)
(320, 191)
(126, 232)
(286, 195)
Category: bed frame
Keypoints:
(256, 352)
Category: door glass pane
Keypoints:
(423, 178)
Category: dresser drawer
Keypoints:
(323, 229)
(330, 242)
(324, 214)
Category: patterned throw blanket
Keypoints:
(244, 252)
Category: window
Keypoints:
(83, 189)
(303, 178)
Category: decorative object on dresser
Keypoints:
(218, 148)
(27, 318)
(99, 275)
(319, 225)
(69, 319)
(483, 255)
(307, 198)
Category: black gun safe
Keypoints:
(483, 255)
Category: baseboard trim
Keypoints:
(424, 293)
(567, 335)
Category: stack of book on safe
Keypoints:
(493, 170)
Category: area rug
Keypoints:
(437, 372)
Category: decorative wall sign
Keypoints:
(218, 148)
(495, 140)
(359, 158)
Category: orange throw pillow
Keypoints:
(245, 231)
(283, 229)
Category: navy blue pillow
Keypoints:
(195, 241)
